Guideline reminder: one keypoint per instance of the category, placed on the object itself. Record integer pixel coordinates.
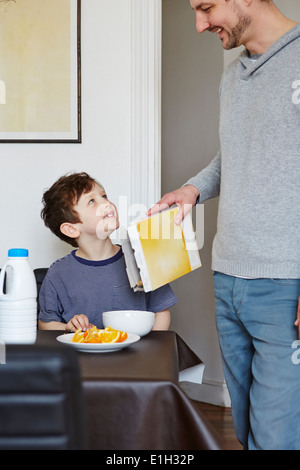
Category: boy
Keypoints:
(79, 287)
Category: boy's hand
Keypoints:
(78, 322)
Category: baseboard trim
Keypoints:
(215, 393)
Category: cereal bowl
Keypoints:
(139, 322)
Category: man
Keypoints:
(256, 255)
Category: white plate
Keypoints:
(98, 347)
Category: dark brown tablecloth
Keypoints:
(133, 399)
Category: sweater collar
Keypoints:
(250, 66)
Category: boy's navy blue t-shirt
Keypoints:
(74, 286)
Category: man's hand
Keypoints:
(184, 197)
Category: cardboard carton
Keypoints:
(157, 251)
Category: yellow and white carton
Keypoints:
(157, 251)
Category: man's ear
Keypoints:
(70, 230)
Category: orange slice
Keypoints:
(110, 336)
(120, 338)
(123, 336)
(78, 337)
(95, 335)
(117, 337)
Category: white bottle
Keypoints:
(18, 301)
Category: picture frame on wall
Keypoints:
(40, 71)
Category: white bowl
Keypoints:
(139, 322)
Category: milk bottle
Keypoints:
(18, 299)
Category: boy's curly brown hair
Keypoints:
(60, 199)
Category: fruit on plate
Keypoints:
(96, 335)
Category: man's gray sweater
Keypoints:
(256, 172)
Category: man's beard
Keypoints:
(234, 39)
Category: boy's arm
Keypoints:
(52, 325)
(162, 320)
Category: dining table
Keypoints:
(133, 398)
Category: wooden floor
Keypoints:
(221, 420)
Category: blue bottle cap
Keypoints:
(18, 252)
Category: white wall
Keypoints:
(27, 169)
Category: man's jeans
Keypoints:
(255, 321)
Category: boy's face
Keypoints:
(98, 215)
